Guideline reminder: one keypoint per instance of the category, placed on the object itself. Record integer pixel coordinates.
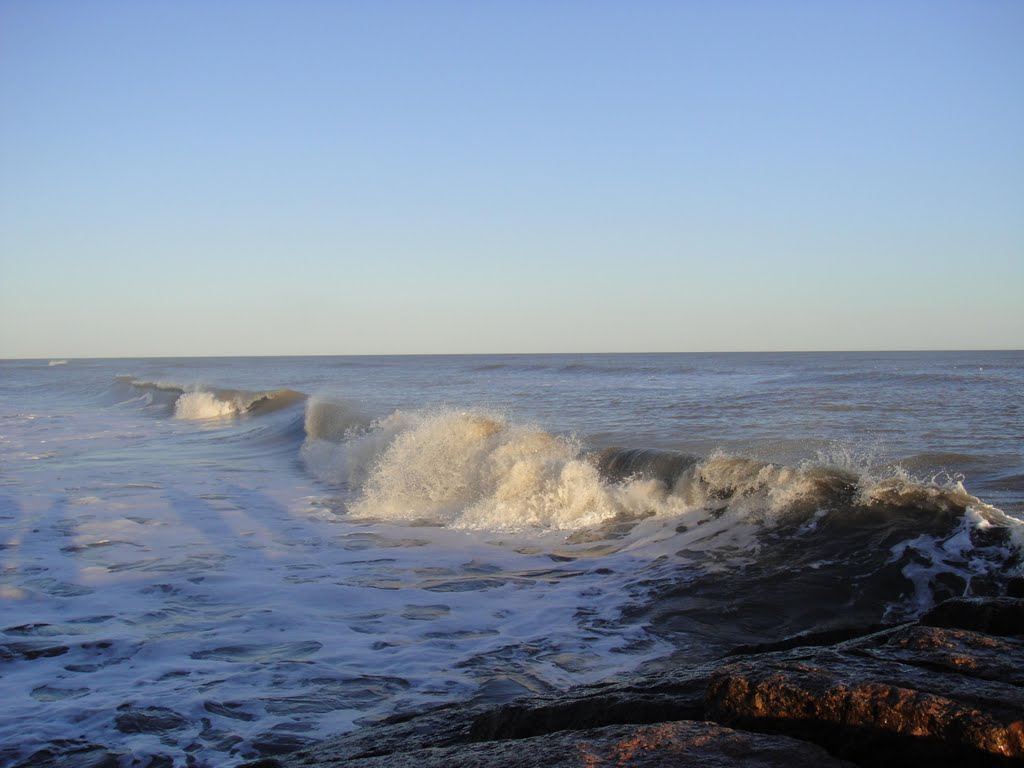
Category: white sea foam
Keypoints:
(195, 403)
(476, 469)
(204, 405)
(57, 362)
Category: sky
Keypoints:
(385, 177)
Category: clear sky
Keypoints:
(300, 177)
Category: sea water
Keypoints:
(205, 561)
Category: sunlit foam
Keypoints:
(203, 405)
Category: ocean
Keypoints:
(205, 561)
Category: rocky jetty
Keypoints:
(947, 690)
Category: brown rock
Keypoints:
(971, 654)
(909, 696)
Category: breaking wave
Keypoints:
(853, 544)
(477, 469)
(875, 541)
(192, 402)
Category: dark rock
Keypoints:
(653, 699)
(30, 651)
(436, 727)
(994, 616)
(953, 650)
(684, 743)
(268, 744)
(823, 637)
(229, 709)
(64, 753)
(148, 720)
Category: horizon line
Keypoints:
(519, 354)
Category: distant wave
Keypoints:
(195, 403)
(57, 362)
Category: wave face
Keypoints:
(477, 469)
(195, 403)
(748, 532)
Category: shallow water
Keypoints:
(225, 558)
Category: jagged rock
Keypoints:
(952, 650)
(917, 695)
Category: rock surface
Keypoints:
(918, 694)
(946, 691)
(683, 743)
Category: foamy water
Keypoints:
(229, 558)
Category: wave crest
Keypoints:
(225, 403)
(476, 469)
(196, 403)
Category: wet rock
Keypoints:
(973, 654)
(150, 761)
(822, 637)
(230, 709)
(653, 699)
(30, 651)
(992, 615)
(437, 727)
(916, 694)
(269, 744)
(684, 743)
(64, 753)
(148, 720)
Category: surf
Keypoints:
(194, 402)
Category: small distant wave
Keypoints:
(143, 385)
(195, 403)
(57, 362)
(222, 403)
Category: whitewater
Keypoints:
(208, 561)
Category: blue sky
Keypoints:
(196, 178)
